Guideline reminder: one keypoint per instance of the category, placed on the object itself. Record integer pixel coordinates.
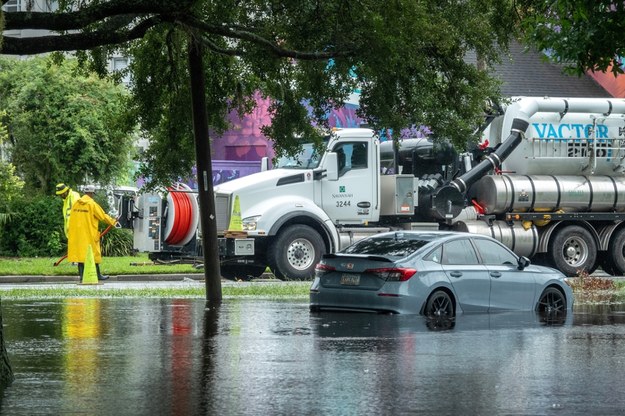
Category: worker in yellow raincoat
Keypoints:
(68, 196)
(83, 231)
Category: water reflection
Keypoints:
(81, 324)
(182, 356)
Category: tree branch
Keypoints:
(276, 50)
(75, 41)
(91, 13)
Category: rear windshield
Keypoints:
(391, 245)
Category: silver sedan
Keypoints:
(436, 274)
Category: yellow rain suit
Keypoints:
(68, 203)
(83, 230)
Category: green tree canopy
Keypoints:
(10, 184)
(405, 56)
(64, 126)
(583, 35)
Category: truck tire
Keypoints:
(295, 253)
(572, 249)
(241, 271)
(616, 253)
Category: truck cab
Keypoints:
(301, 209)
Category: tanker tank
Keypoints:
(499, 194)
(564, 143)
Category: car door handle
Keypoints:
(456, 274)
(496, 275)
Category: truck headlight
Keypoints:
(249, 223)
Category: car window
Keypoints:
(459, 252)
(396, 245)
(435, 255)
(493, 253)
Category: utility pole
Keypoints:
(208, 219)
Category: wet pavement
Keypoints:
(265, 357)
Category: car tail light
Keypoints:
(393, 274)
(323, 269)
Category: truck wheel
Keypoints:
(241, 271)
(295, 253)
(616, 253)
(572, 250)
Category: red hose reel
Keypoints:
(182, 219)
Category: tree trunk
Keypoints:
(208, 224)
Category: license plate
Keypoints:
(350, 279)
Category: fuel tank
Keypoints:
(524, 242)
(499, 194)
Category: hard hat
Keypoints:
(61, 188)
(88, 189)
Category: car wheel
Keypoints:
(439, 305)
(295, 253)
(241, 272)
(616, 253)
(552, 304)
(572, 250)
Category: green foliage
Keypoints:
(405, 56)
(35, 228)
(10, 184)
(117, 243)
(65, 127)
(582, 35)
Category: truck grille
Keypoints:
(222, 210)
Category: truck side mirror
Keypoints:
(264, 164)
(332, 166)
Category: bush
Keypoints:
(117, 243)
(35, 228)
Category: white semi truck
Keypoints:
(547, 180)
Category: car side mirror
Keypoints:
(332, 166)
(523, 262)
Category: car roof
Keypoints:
(433, 235)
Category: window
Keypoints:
(351, 156)
(434, 255)
(494, 254)
(392, 245)
(12, 6)
(459, 252)
(120, 64)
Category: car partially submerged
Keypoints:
(437, 274)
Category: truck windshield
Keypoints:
(306, 159)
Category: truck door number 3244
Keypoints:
(343, 203)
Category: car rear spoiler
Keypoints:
(357, 256)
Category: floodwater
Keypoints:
(264, 357)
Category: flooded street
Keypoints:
(264, 357)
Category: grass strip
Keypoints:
(44, 266)
(265, 291)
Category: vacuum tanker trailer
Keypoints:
(547, 180)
